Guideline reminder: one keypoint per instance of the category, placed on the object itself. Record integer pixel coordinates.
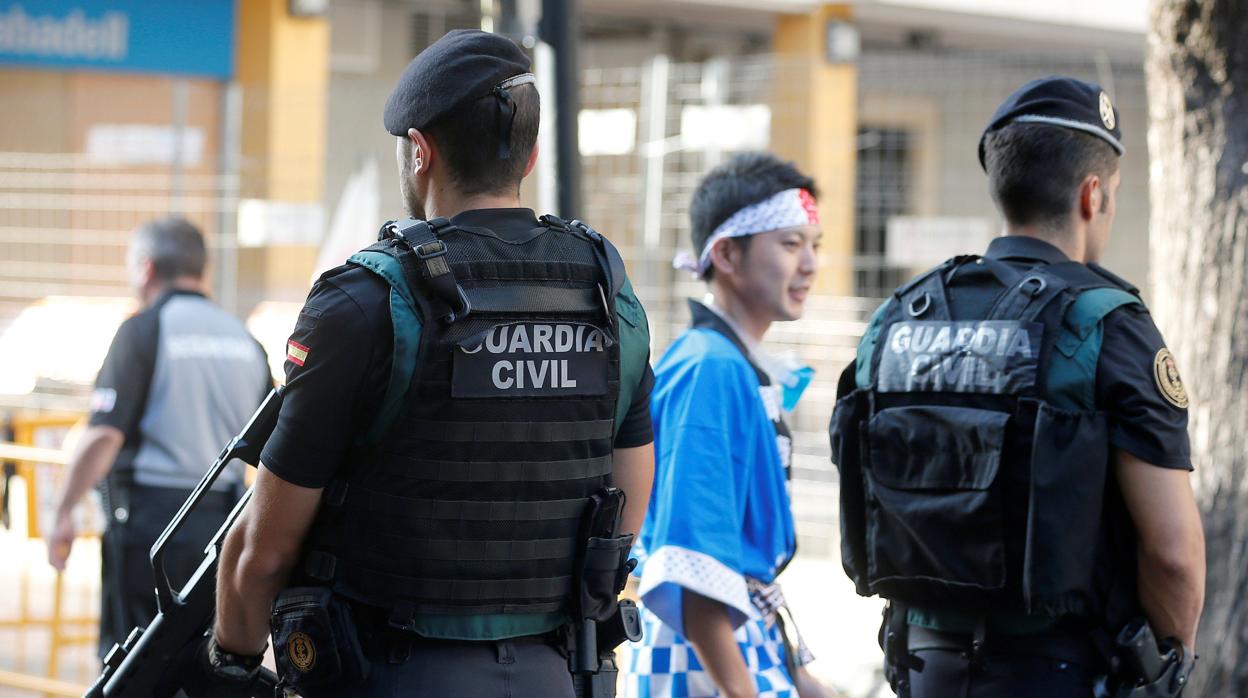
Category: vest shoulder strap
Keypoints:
(634, 331)
(422, 256)
(405, 318)
(867, 345)
(1071, 373)
(924, 297)
(1086, 313)
(608, 256)
(632, 327)
(379, 260)
(1028, 296)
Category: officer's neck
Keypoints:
(446, 202)
(1072, 243)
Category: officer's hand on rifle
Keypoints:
(222, 674)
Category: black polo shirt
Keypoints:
(1143, 421)
(336, 376)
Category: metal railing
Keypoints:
(65, 625)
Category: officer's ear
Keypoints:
(422, 151)
(528, 167)
(1091, 196)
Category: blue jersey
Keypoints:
(719, 522)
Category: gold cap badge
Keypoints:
(1107, 112)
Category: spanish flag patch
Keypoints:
(296, 353)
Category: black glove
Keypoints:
(221, 674)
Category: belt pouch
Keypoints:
(315, 641)
(604, 572)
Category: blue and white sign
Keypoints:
(180, 37)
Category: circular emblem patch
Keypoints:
(1107, 112)
(301, 651)
(1168, 381)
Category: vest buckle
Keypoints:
(429, 250)
(1033, 286)
(403, 616)
(555, 222)
(920, 304)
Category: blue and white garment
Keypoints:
(719, 522)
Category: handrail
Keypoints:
(37, 684)
(33, 454)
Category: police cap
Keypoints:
(463, 66)
(1059, 101)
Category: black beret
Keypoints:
(1059, 101)
(462, 66)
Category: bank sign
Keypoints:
(178, 37)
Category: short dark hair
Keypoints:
(468, 137)
(1034, 170)
(175, 247)
(746, 178)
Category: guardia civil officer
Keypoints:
(459, 397)
(1012, 438)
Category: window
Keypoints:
(884, 190)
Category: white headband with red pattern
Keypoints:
(787, 209)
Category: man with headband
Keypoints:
(720, 526)
(461, 397)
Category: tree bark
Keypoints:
(1197, 72)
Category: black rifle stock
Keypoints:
(153, 662)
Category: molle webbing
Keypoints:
(447, 471)
(472, 502)
(534, 299)
(517, 432)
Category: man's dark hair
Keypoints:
(468, 137)
(175, 247)
(1034, 171)
(746, 178)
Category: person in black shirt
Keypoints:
(1012, 437)
(456, 395)
(181, 377)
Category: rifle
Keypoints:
(154, 661)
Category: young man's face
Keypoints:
(776, 272)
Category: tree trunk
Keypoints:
(1197, 71)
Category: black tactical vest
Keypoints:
(974, 463)
(472, 501)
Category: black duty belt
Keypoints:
(1076, 649)
(376, 632)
